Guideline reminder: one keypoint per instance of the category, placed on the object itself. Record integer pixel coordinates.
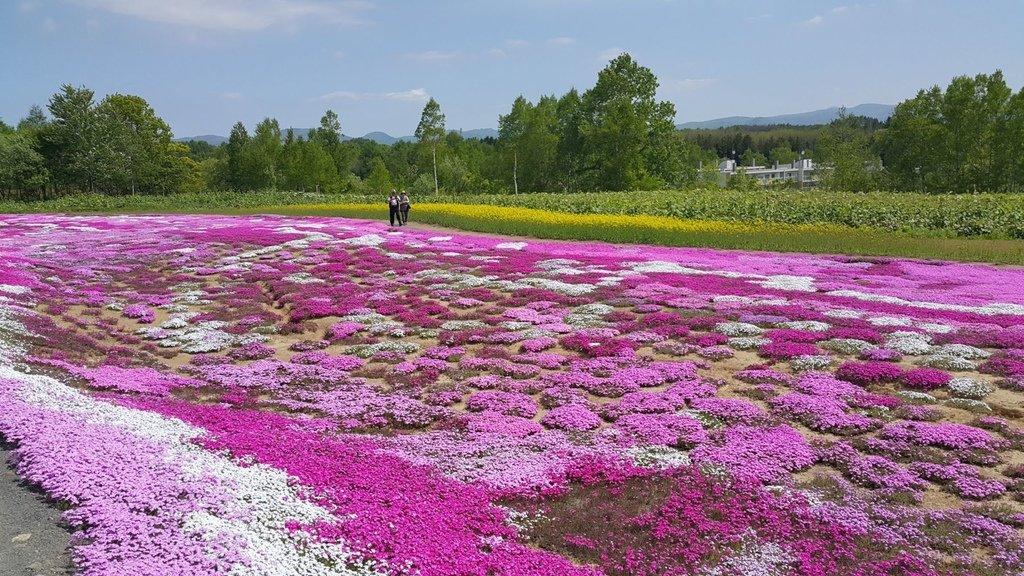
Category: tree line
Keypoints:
(615, 135)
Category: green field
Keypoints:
(983, 227)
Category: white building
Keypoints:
(801, 173)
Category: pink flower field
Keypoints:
(270, 395)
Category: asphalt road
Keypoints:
(33, 539)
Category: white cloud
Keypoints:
(338, 95)
(413, 95)
(561, 41)
(840, 9)
(689, 84)
(432, 56)
(516, 43)
(246, 15)
(609, 54)
(814, 20)
(495, 53)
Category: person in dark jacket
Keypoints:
(393, 212)
(403, 207)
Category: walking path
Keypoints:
(33, 540)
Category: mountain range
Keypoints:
(823, 116)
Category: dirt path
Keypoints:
(33, 539)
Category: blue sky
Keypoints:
(205, 64)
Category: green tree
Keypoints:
(22, 168)
(236, 144)
(751, 157)
(267, 154)
(845, 156)
(569, 117)
(430, 131)
(783, 154)
(625, 129)
(379, 180)
(511, 128)
(1009, 144)
(35, 120)
(136, 147)
(73, 139)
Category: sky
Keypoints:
(205, 64)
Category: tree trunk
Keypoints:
(515, 170)
(433, 153)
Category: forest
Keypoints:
(613, 136)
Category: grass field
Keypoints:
(982, 228)
(666, 231)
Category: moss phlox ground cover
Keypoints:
(281, 395)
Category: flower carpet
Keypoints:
(275, 395)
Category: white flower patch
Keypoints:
(747, 343)
(917, 397)
(847, 345)
(560, 287)
(584, 320)
(962, 351)
(514, 325)
(994, 309)
(968, 388)
(456, 325)
(910, 343)
(521, 520)
(810, 362)
(808, 325)
(754, 558)
(976, 406)
(511, 245)
(451, 254)
(439, 239)
(732, 298)
(372, 240)
(659, 457)
(947, 362)
(595, 308)
(368, 350)
(399, 256)
(302, 278)
(784, 282)
(12, 289)
(890, 321)
(935, 328)
(174, 323)
(737, 329)
(609, 280)
(843, 313)
(662, 267)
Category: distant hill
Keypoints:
(824, 116)
(479, 133)
(211, 139)
(378, 137)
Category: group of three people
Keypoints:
(398, 207)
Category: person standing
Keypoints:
(393, 208)
(403, 206)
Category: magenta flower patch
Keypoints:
(275, 395)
